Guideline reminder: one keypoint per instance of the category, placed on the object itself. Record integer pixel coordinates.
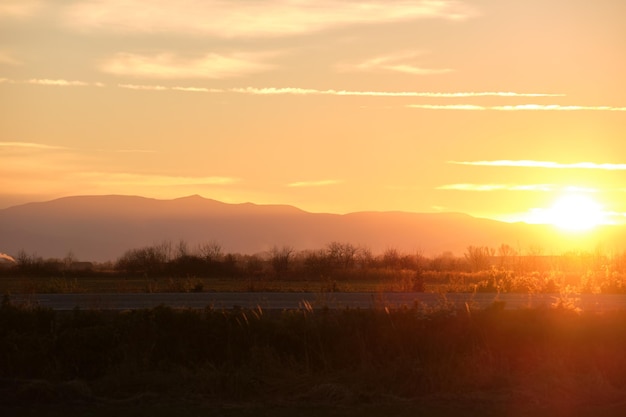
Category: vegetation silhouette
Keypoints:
(489, 358)
(339, 266)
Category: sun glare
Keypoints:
(575, 213)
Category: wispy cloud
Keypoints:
(147, 180)
(499, 187)
(145, 87)
(243, 18)
(8, 58)
(23, 163)
(298, 91)
(416, 70)
(51, 82)
(59, 83)
(447, 107)
(403, 62)
(519, 107)
(321, 183)
(517, 187)
(164, 88)
(544, 164)
(427, 94)
(170, 66)
(30, 145)
(542, 215)
(131, 151)
(198, 89)
(70, 170)
(19, 8)
(555, 107)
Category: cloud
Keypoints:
(519, 107)
(149, 180)
(298, 91)
(244, 18)
(144, 87)
(544, 164)
(7, 58)
(447, 106)
(321, 183)
(164, 88)
(198, 89)
(51, 82)
(70, 170)
(19, 8)
(498, 187)
(401, 62)
(44, 147)
(311, 91)
(60, 83)
(30, 145)
(23, 163)
(416, 70)
(555, 107)
(129, 150)
(170, 66)
(517, 187)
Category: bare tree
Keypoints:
(164, 250)
(391, 258)
(342, 255)
(420, 260)
(69, 259)
(182, 249)
(280, 258)
(479, 257)
(506, 254)
(211, 251)
(149, 260)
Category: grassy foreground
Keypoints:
(410, 361)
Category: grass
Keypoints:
(395, 409)
(440, 361)
(366, 280)
(105, 284)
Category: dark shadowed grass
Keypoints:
(396, 409)
(245, 362)
(372, 280)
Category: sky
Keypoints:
(493, 108)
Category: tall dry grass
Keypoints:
(542, 356)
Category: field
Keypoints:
(372, 362)
(436, 361)
(131, 284)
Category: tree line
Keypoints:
(336, 260)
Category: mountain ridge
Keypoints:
(102, 228)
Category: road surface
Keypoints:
(281, 301)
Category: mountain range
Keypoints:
(102, 228)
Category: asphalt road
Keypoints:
(280, 301)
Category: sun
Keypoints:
(572, 212)
(575, 213)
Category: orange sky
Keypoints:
(493, 108)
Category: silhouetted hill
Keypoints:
(102, 228)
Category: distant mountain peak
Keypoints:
(192, 197)
(102, 228)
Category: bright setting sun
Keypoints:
(573, 213)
